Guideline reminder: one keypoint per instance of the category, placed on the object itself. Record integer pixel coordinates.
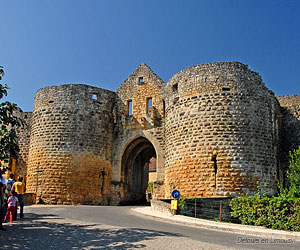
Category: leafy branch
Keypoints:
(9, 122)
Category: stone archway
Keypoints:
(135, 169)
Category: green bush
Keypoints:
(282, 212)
(150, 187)
(293, 173)
(250, 210)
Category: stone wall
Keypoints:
(144, 122)
(163, 206)
(19, 165)
(221, 131)
(71, 145)
(209, 209)
(214, 130)
(290, 132)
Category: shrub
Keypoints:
(293, 173)
(150, 187)
(282, 212)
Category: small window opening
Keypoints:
(141, 79)
(225, 89)
(152, 164)
(175, 87)
(129, 107)
(175, 100)
(149, 103)
(164, 107)
(51, 101)
(77, 101)
(214, 159)
(115, 115)
(94, 96)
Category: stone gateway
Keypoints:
(213, 130)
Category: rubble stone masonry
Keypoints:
(19, 165)
(290, 132)
(213, 130)
(221, 131)
(71, 144)
(145, 121)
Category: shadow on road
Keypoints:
(48, 232)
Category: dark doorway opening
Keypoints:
(135, 170)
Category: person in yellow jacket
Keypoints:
(20, 188)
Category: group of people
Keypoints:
(11, 195)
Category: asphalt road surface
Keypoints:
(96, 227)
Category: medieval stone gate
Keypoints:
(135, 169)
(214, 129)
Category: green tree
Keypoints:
(293, 173)
(9, 122)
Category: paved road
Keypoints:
(91, 227)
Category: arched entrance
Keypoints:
(135, 169)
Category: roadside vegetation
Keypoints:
(9, 122)
(276, 212)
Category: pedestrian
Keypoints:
(9, 183)
(2, 196)
(1, 203)
(20, 188)
(12, 206)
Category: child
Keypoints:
(12, 206)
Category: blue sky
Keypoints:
(100, 42)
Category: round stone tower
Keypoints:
(221, 131)
(71, 145)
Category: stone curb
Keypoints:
(219, 226)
